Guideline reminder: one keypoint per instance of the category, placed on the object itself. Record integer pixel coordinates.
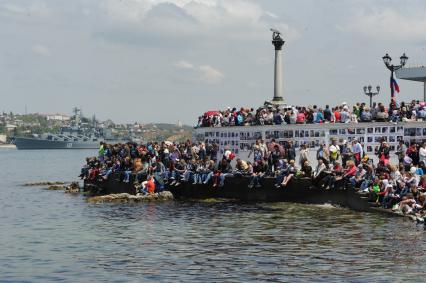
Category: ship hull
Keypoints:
(34, 143)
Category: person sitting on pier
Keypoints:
(209, 170)
(319, 171)
(158, 172)
(291, 171)
(241, 168)
(223, 170)
(306, 170)
(188, 174)
(84, 172)
(260, 169)
(148, 186)
(199, 171)
(280, 172)
(127, 169)
(358, 178)
(139, 170)
(368, 179)
(334, 174)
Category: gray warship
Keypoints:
(74, 136)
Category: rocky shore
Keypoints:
(72, 188)
(128, 198)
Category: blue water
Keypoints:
(52, 236)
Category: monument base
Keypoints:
(277, 100)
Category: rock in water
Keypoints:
(44, 184)
(56, 188)
(73, 188)
(124, 198)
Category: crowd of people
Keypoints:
(277, 115)
(152, 166)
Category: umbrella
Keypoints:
(211, 113)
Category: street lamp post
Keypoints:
(368, 92)
(388, 63)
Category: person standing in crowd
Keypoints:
(422, 153)
(291, 151)
(334, 150)
(413, 153)
(401, 150)
(303, 154)
(357, 151)
(383, 152)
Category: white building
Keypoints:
(57, 117)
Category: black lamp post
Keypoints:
(388, 60)
(368, 92)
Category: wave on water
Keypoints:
(327, 206)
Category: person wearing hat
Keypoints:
(366, 115)
(334, 150)
(345, 115)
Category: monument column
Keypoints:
(278, 42)
(424, 91)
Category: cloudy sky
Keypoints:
(164, 61)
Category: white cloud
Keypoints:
(12, 8)
(34, 8)
(203, 73)
(210, 74)
(237, 19)
(388, 24)
(41, 50)
(184, 65)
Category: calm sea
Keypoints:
(51, 236)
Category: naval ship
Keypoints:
(74, 136)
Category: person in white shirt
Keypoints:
(357, 151)
(334, 150)
(422, 153)
(320, 168)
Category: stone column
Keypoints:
(278, 42)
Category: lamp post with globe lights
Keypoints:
(368, 91)
(388, 63)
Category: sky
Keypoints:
(169, 61)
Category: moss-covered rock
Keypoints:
(128, 198)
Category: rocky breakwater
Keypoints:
(128, 198)
(72, 188)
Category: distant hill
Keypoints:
(163, 131)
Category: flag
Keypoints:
(394, 86)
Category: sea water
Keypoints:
(52, 236)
